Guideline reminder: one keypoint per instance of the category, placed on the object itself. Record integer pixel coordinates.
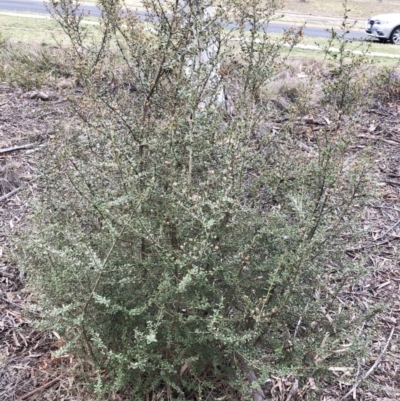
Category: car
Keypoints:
(384, 27)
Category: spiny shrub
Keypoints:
(186, 236)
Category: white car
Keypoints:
(385, 27)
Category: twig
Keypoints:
(372, 368)
(297, 326)
(4, 103)
(12, 303)
(380, 113)
(361, 247)
(39, 389)
(48, 114)
(388, 230)
(293, 390)
(385, 207)
(299, 322)
(391, 182)
(394, 226)
(19, 147)
(5, 274)
(9, 194)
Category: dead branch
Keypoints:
(363, 247)
(388, 230)
(39, 389)
(9, 194)
(372, 368)
(385, 207)
(391, 182)
(5, 274)
(12, 303)
(293, 390)
(18, 147)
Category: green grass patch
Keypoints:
(300, 53)
(130, 3)
(37, 29)
(369, 45)
(31, 29)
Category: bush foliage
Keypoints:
(188, 234)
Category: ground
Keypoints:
(26, 361)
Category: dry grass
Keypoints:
(31, 66)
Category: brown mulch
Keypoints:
(381, 132)
(28, 368)
(30, 371)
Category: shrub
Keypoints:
(187, 237)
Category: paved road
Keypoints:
(37, 6)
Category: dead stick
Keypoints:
(39, 389)
(361, 247)
(388, 231)
(293, 390)
(372, 368)
(391, 182)
(385, 207)
(19, 147)
(9, 194)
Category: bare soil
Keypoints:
(29, 369)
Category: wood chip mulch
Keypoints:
(30, 371)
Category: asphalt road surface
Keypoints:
(37, 6)
(34, 6)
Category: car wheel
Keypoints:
(395, 36)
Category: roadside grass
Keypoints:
(368, 45)
(36, 29)
(130, 3)
(38, 32)
(301, 53)
(330, 8)
(379, 53)
(317, 21)
(30, 53)
(359, 9)
(334, 8)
